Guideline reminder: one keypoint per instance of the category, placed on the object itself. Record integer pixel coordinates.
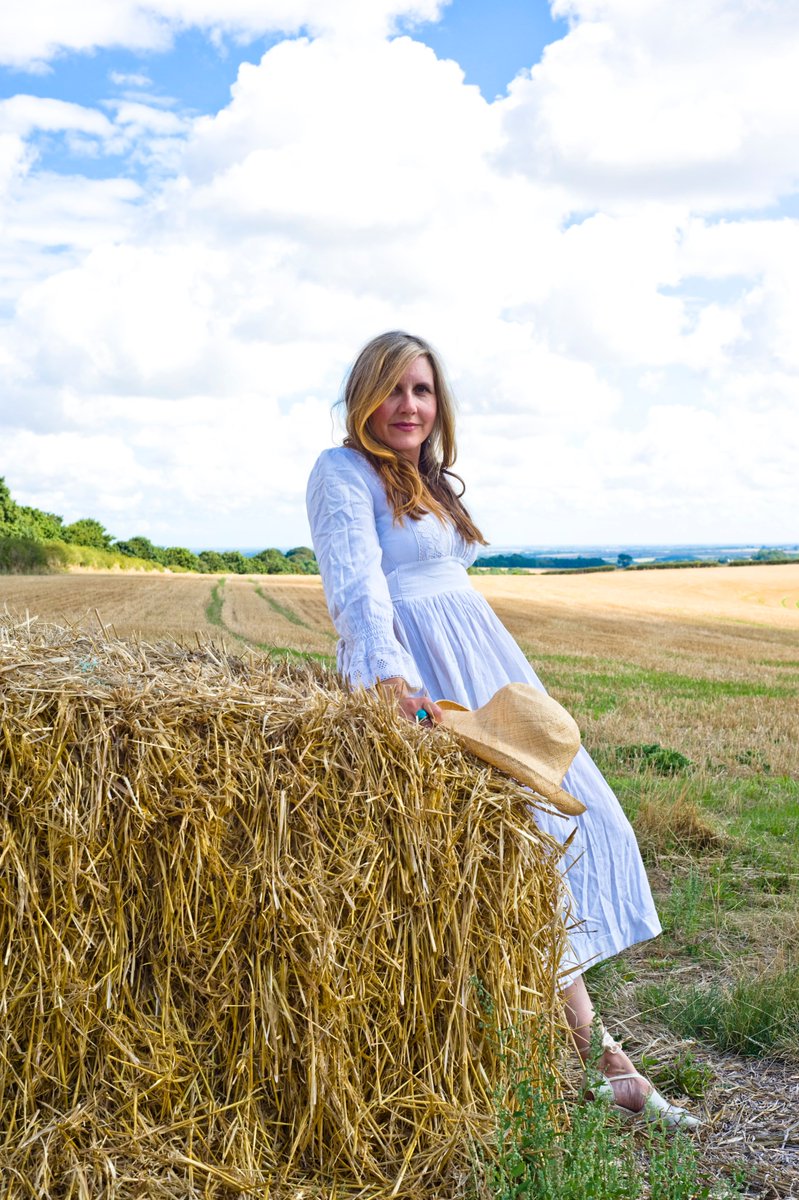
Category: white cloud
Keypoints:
(626, 362)
(641, 102)
(124, 79)
(138, 119)
(37, 31)
(21, 114)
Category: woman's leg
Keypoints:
(580, 1014)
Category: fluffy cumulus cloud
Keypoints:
(33, 33)
(640, 103)
(605, 256)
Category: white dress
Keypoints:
(403, 604)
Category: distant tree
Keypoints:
(9, 510)
(140, 547)
(304, 559)
(235, 561)
(211, 561)
(19, 520)
(87, 532)
(624, 560)
(271, 562)
(179, 556)
(43, 526)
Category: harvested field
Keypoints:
(270, 616)
(150, 606)
(766, 595)
(713, 600)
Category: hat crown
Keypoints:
(525, 733)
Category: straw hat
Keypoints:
(525, 734)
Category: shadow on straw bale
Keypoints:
(241, 911)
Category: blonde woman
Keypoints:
(393, 540)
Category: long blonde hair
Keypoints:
(411, 492)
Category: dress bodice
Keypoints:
(365, 556)
(406, 541)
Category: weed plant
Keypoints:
(683, 1074)
(651, 756)
(682, 914)
(546, 1149)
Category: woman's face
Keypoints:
(407, 417)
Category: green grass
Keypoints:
(684, 912)
(757, 1015)
(594, 686)
(25, 556)
(213, 609)
(282, 609)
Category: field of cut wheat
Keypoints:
(685, 684)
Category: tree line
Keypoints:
(20, 522)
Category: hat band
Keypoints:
(428, 578)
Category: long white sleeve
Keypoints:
(341, 513)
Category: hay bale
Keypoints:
(241, 910)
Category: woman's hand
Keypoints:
(410, 706)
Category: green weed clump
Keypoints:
(757, 1016)
(545, 1149)
(683, 1074)
(651, 756)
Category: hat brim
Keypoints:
(504, 758)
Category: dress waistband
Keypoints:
(427, 578)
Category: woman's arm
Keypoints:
(342, 519)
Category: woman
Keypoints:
(393, 541)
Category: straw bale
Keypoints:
(241, 912)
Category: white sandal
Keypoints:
(655, 1108)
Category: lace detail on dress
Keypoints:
(434, 539)
(376, 654)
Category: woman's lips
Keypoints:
(404, 426)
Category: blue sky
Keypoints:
(205, 216)
(491, 44)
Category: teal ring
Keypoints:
(422, 715)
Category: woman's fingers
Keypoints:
(420, 709)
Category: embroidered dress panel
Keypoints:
(403, 604)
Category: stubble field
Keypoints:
(686, 686)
